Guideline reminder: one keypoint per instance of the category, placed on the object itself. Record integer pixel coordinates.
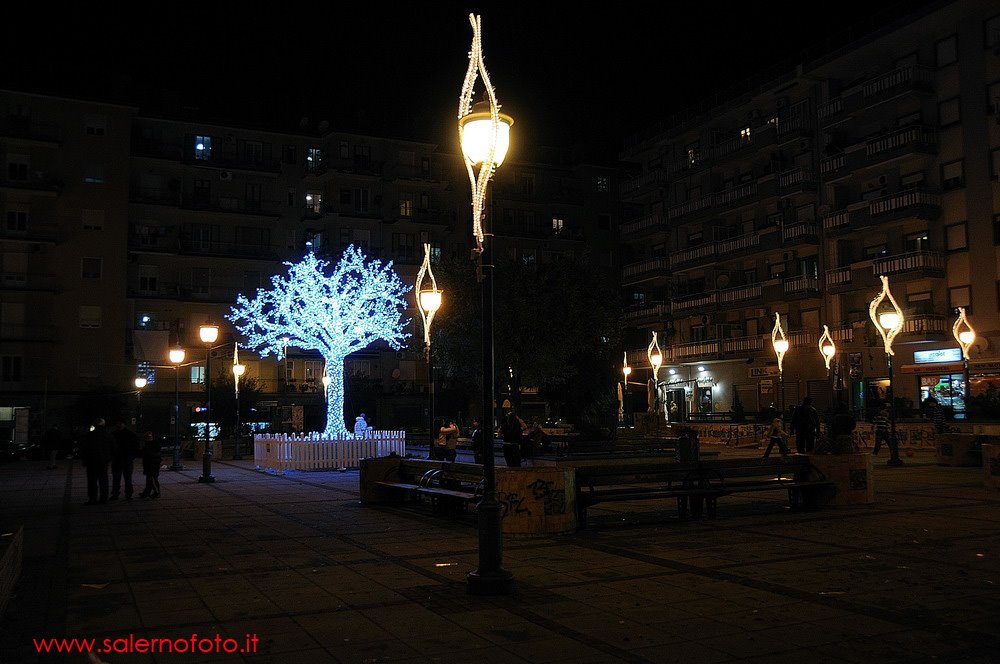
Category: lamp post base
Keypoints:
(894, 463)
(176, 467)
(206, 479)
(486, 584)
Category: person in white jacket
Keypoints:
(361, 425)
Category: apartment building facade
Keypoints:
(791, 199)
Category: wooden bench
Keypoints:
(697, 485)
(456, 483)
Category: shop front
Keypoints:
(939, 374)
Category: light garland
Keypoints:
(479, 184)
(889, 332)
(779, 341)
(360, 303)
(966, 337)
(827, 354)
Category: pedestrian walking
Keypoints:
(776, 435)
(478, 450)
(51, 442)
(151, 461)
(125, 451)
(805, 426)
(881, 425)
(96, 454)
(512, 429)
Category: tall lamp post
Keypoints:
(780, 343)
(965, 336)
(626, 371)
(238, 371)
(827, 349)
(428, 302)
(888, 323)
(176, 356)
(484, 134)
(209, 334)
(140, 382)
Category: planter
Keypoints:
(537, 500)
(957, 449)
(991, 471)
(851, 475)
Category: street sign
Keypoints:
(757, 372)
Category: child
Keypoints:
(777, 436)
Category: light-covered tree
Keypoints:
(359, 303)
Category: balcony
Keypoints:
(735, 195)
(801, 286)
(901, 205)
(22, 332)
(644, 270)
(27, 281)
(696, 350)
(694, 302)
(193, 246)
(902, 141)
(803, 233)
(842, 335)
(39, 184)
(643, 182)
(724, 149)
(20, 127)
(740, 293)
(32, 232)
(646, 314)
(743, 345)
(741, 243)
(913, 265)
(803, 339)
(689, 207)
(911, 78)
(833, 167)
(837, 220)
(796, 180)
(924, 325)
(795, 124)
(637, 358)
(694, 254)
(839, 278)
(643, 225)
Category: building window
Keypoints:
(361, 200)
(995, 163)
(526, 184)
(993, 98)
(425, 165)
(314, 202)
(93, 174)
(314, 156)
(17, 221)
(604, 222)
(362, 155)
(93, 220)
(745, 134)
(603, 183)
(952, 175)
(947, 51)
(659, 250)
(345, 150)
(146, 369)
(956, 237)
(425, 202)
(960, 296)
(90, 316)
(148, 279)
(254, 151)
(407, 158)
(695, 239)
(403, 246)
(289, 154)
(197, 374)
(11, 367)
(776, 270)
(17, 167)
(557, 225)
(949, 112)
(991, 32)
(202, 147)
(90, 268)
(202, 192)
(917, 242)
(95, 125)
(405, 207)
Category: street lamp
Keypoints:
(176, 356)
(238, 370)
(626, 371)
(485, 137)
(140, 382)
(965, 338)
(780, 344)
(209, 334)
(428, 302)
(827, 350)
(888, 323)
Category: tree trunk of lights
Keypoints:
(206, 459)
(490, 578)
(177, 420)
(334, 393)
(894, 459)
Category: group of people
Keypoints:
(118, 448)
(805, 426)
(520, 440)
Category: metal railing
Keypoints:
(839, 276)
(901, 76)
(633, 270)
(842, 334)
(740, 293)
(693, 254)
(832, 163)
(735, 194)
(916, 260)
(896, 201)
(796, 231)
(694, 301)
(801, 285)
(641, 224)
(689, 207)
(696, 349)
(899, 138)
(836, 220)
(924, 324)
(654, 311)
(737, 243)
(793, 177)
(742, 345)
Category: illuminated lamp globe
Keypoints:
(239, 369)
(888, 320)
(176, 355)
(781, 345)
(430, 300)
(701, 369)
(477, 134)
(829, 350)
(626, 371)
(209, 333)
(967, 337)
(656, 360)
(140, 382)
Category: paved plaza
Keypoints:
(318, 578)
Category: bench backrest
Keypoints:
(678, 472)
(414, 469)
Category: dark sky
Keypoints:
(569, 76)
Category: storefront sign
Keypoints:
(705, 381)
(932, 369)
(756, 372)
(937, 355)
(985, 365)
(766, 386)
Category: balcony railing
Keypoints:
(728, 147)
(801, 285)
(831, 108)
(739, 293)
(910, 262)
(798, 231)
(904, 199)
(694, 301)
(924, 324)
(642, 181)
(32, 233)
(689, 207)
(693, 254)
(899, 138)
(742, 345)
(696, 349)
(646, 267)
(832, 164)
(842, 334)
(796, 176)
(836, 220)
(737, 243)
(802, 338)
(652, 311)
(22, 332)
(911, 74)
(637, 358)
(730, 196)
(840, 276)
(28, 281)
(648, 222)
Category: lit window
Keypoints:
(146, 369)
(745, 134)
(406, 207)
(197, 374)
(314, 202)
(557, 225)
(94, 174)
(145, 321)
(202, 147)
(603, 183)
(313, 158)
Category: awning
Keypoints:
(933, 368)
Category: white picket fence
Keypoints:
(281, 452)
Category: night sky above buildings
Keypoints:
(571, 78)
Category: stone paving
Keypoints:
(296, 560)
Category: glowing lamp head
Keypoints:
(176, 355)
(889, 320)
(140, 382)
(829, 350)
(781, 345)
(430, 300)
(477, 135)
(673, 371)
(239, 369)
(199, 146)
(627, 371)
(326, 381)
(209, 333)
(966, 337)
(701, 369)
(656, 359)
